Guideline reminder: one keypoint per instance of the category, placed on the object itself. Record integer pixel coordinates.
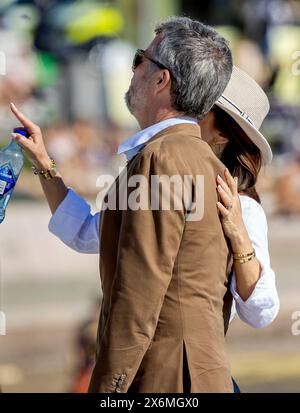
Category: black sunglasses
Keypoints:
(138, 58)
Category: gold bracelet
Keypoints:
(49, 173)
(244, 255)
(246, 259)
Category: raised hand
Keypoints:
(34, 145)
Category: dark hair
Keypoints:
(241, 156)
(199, 60)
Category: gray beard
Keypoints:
(128, 100)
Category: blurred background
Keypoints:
(67, 65)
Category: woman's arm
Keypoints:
(75, 225)
(247, 274)
(72, 221)
(54, 189)
(253, 286)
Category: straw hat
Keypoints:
(245, 101)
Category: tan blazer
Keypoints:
(161, 327)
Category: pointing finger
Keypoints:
(25, 121)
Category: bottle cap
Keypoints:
(22, 132)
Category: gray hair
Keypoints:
(200, 63)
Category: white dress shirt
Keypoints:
(75, 225)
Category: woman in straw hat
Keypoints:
(232, 131)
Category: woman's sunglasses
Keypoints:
(138, 58)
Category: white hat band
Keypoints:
(241, 113)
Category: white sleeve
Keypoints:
(75, 225)
(262, 307)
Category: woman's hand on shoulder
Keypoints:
(229, 206)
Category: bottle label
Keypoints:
(7, 179)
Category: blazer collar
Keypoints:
(131, 146)
(183, 129)
(187, 129)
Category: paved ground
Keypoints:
(47, 290)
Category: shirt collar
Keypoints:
(131, 146)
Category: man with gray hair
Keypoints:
(164, 276)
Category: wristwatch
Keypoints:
(47, 174)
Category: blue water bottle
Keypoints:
(11, 164)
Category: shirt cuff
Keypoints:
(67, 220)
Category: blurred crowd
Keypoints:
(67, 65)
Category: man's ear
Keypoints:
(163, 80)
